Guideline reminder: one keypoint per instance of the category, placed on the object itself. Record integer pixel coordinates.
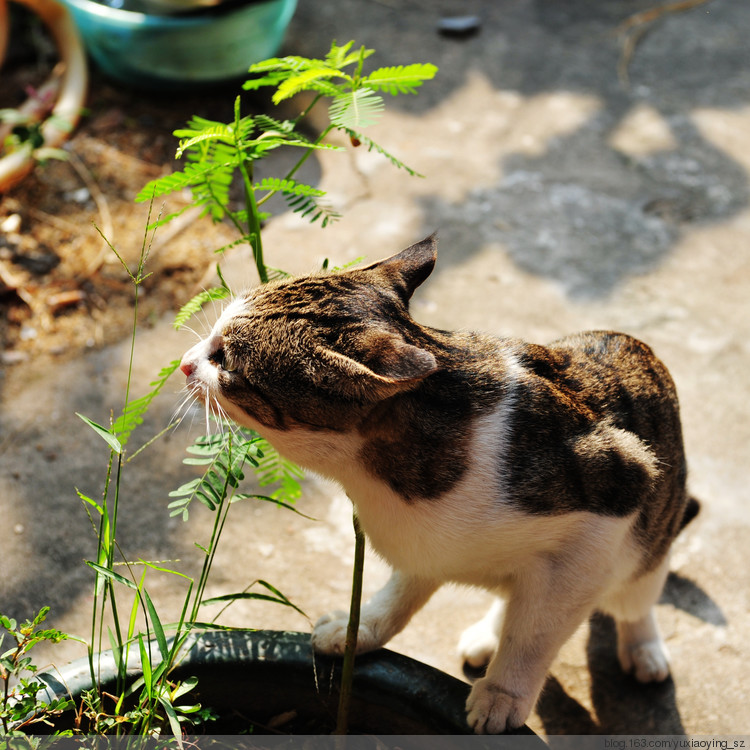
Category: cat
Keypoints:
(553, 476)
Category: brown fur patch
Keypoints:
(594, 417)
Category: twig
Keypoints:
(176, 227)
(634, 28)
(102, 207)
(4, 28)
(114, 156)
(347, 670)
(10, 281)
(56, 221)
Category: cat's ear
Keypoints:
(407, 270)
(394, 366)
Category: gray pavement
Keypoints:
(567, 196)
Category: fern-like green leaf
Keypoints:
(277, 273)
(186, 489)
(224, 455)
(196, 304)
(400, 79)
(303, 81)
(276, 470)
(371, 145)
(290, 63)
(265, 123)
(219, 132)
(244, 240)
(288, 187)
(133, 413)
(356, 109)
(193, 174)
(197, 125)
(341, 57)
(307, 207)
(273, 78)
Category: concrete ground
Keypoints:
(575, 183)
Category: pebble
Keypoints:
(11, 224)
(13, 357)
(78, 196)
(459, 26)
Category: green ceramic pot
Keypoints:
(182, 50)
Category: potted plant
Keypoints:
(272, 682)
(50, 113)
(173, 677)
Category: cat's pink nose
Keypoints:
(187, 367)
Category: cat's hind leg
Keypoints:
(479, 642)
(386, 614)
(640, 648)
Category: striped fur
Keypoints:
(552, 475)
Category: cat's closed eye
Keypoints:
(225, 361)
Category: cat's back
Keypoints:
(605, 375)
(596, 427)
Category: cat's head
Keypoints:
(316, 350)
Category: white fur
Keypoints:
(552, 571)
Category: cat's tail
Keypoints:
(691, 511)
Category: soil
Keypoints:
(62, 289)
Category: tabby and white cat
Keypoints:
(553, 476)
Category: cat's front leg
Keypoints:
(386, 614)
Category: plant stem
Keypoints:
(299, 163)
(221, 516)
(347, 670)
(253, 223)
(251, 207)
(307, 153)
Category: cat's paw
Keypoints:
(493, 710)
(648, 662)
(329, 635)
(477, 645)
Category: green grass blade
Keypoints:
(174, 721)
(145, 666)
(107, 573)
(161, 638)
(103, 433)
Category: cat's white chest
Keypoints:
(434, 537)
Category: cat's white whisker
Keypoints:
(186, 397)
(207, 405)
(226, 422)
(216, 419)
(218, 306)
(192, 330)
(184, 407)
(216, 313)
(190, 398)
